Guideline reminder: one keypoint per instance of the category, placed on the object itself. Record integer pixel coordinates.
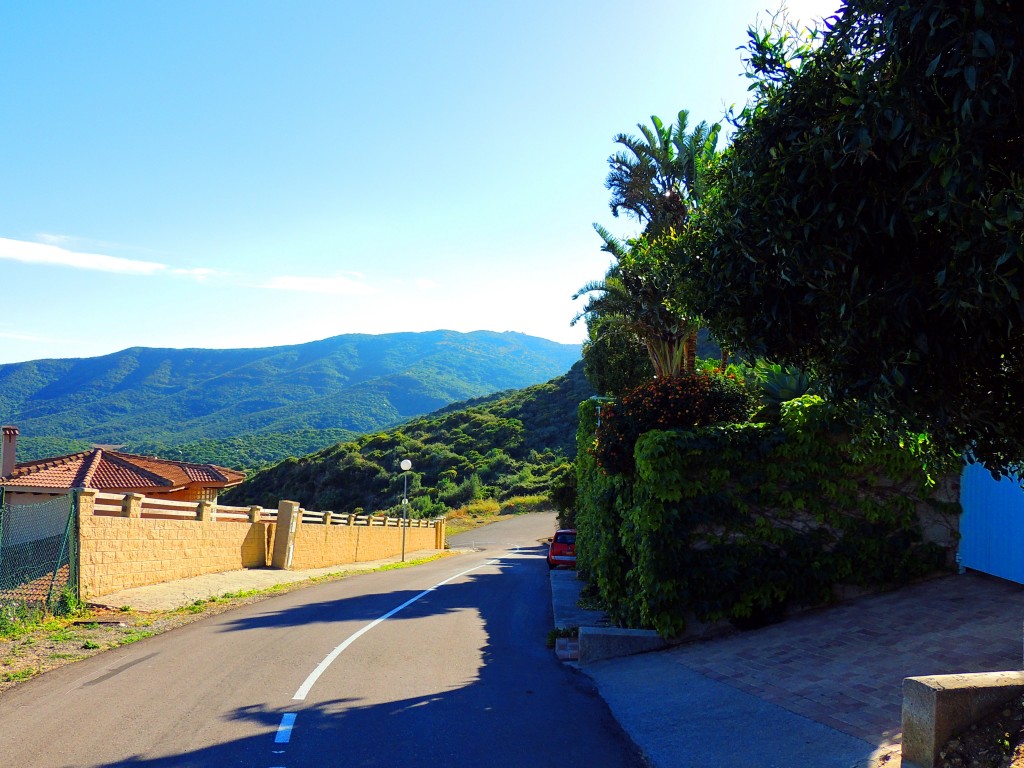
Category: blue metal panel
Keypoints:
(992, 525)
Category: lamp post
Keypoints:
(406, 465)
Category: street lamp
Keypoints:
(406, 465)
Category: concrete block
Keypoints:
(937, 706)
(597, 643)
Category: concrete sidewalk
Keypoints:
(176, 594)
(821, 689)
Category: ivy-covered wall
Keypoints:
(744, 521)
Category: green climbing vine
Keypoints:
(744, 521)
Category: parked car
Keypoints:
(563, 548)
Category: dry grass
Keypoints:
(995, 742)
(486, 511)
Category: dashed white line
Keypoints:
(284, 730)
(304, 689)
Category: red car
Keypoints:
(563, 549)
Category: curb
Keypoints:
(599, 643)
(596, 640)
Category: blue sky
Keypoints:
(247, 174)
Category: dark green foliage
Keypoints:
(245, 452)
(778, 384)
(741, 522)
(867, 223)
(188, 402)
(614, 360)
(30, 447)
(516, 445)
(563, 494)
(681, 402)
(600, 550)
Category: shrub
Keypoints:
(744, 521)
(681, 402)
(483, 507)
(520, 504)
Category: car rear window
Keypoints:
(565, 538)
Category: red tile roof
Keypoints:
(114, 471)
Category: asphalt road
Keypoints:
(439, 665)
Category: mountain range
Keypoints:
(515, 444)
(340, 386)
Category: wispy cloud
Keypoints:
(30, 337)
(199, 274)
(338, 284)
(49, 239)
(53, 252)
(425, 284)
(54, 255)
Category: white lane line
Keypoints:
(304, 689)
(284, 730)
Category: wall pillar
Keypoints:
(86, 502)
(206, 511)
(255, 513)
(289, 518)
(132, 505)
(439, 531)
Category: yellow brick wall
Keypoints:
(119, 553)
(320, 546)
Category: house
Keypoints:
(108, 471)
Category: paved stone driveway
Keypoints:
(844, 666)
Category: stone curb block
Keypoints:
(937, 706)
(598, 643)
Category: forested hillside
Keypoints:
(516, 443)
(245, 407)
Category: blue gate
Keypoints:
(992, 525)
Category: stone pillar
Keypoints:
(289, 518)
(328, 516)
(206, 511)
(351, 520)
(255, 513)
(132, 505)
(86, 502)
(439, 531)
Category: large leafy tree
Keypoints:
(868, 220)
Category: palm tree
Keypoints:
(659, 177)
(633, 300)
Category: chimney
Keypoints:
(8, 450)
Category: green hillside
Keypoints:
(506, 445)
(166, 399)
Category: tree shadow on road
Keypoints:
(518, 707)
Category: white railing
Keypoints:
(339, 518)
(115, 505)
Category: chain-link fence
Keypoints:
(38, 552)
